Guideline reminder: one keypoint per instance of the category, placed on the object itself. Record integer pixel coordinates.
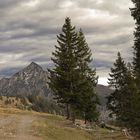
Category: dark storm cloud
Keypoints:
(28, 30)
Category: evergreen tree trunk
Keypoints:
(85, 120)
(73, 117)
(67, 111)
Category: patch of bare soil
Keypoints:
(17, 127)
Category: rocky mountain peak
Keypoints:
(30, 80)
(33, 66)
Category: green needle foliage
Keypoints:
(117, 81)
(124, 101)
(62, 77)
(87, 81)
(135, 12)
(72, 80)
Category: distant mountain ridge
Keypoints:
(103, 92)
(31, 80)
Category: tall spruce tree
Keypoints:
(72, 80)
(130, 112)
(117, 81)
(62, 77)
(87, 97)
(135, 12)
(124, 101)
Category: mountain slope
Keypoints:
(31, 83)
(32, 80)
(103, 92)
(24, 125)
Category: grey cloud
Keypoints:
(40, 58)
(6, 6)
(110, 6)
(30, 32)
(16, 48)
(8, 3)
(38, 33)
(9, 71)
(95, 27)
(114, 41)
(99, 63)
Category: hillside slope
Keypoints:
(24, 125)
(103, 92)
(32, 80)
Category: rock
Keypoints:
(32, 80)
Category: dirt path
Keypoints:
(17, 127)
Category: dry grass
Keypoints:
(50, 127)
(9, 110)
(57, 128)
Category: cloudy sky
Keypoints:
(28, 30)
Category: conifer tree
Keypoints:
(62, 76)
(117, 81)
(87, 99)
(130, 114)
(124, 101)
(130, 102)
(72, 80)
(135, 12)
